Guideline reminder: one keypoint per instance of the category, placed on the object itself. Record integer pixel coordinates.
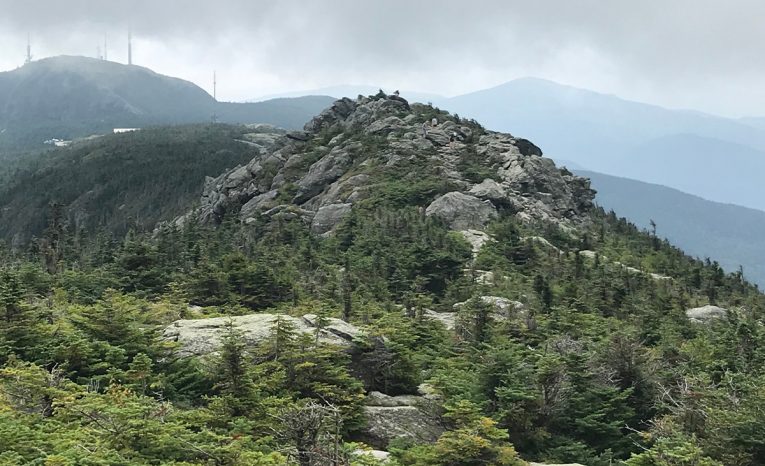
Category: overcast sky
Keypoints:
(702, 54)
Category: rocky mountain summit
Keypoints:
(380, 148)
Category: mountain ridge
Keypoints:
(395, 275)
(725, 233)
(68, 97)
(602, 132)
(330, 166)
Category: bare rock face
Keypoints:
(705, 314)
(462, 211)
(410, 417)
(321, 174)
(329, 216)
(448, 319)
(200, 337)
(476, 238)
(490, 190)
(377, 455)
(334, 162)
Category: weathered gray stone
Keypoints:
(391, 417)
(381, 399)
(329, 216)
(385, 126)
(448, 319)
(476, 238)
(200, 337)
(437, 136)
(462, 211)
(525, 181)
(489, 189)
(501, 308)
(322, 173)
(378, 455)
(258, 203)
(237, 177)
(340, 190)
(338, 327)
(706, 313)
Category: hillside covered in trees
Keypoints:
(124, 181)
(70, 97)
(376, 290)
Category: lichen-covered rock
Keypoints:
(408, 417)
(462, 211)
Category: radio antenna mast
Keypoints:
(130, 47)
(29, 49)
(215, 97)
(106, 55)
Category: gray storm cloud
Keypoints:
(683, 53)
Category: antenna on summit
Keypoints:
(106, 56)
(130, 47)
(29, 49)
(215, 97)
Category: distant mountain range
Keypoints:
(67, 97)
(729, 234)
(352, 90)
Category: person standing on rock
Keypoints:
(424, 129)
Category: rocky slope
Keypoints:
(360, 151)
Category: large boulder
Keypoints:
(462, 211)
(337, 327)
(321, 174)
(437, 136)
(376, 455)
(410, 417)
(448, 319)
(200, 337)
(706, 313)
(258, 203)
(490, 190)
(385, 126)
(329, 216)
